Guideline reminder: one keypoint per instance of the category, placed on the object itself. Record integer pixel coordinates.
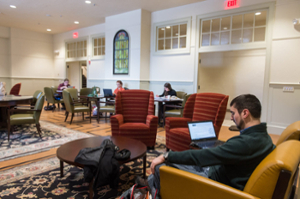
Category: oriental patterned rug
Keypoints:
(42, 179)
(25, 139)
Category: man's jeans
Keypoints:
(154, 180)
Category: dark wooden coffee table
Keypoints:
(68, 152)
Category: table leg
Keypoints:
(144, 165)
(159, 113)
(61, 169)
(91, 191)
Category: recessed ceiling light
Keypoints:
(168, 27)
(48, 30)
(76, 22)
(258, 13)
(12, 6)
(88, 2)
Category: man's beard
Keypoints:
(241, 125)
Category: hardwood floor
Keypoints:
(102, 128)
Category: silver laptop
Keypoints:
(203, 134)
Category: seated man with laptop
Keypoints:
(231, 163)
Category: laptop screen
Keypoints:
(201, 130)
(107, 92)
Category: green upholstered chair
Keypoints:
(178, 109)
(26, 115)
(36, 95)
(109, 107)
(73, 106)
(54, 89)
(86, 91)
(181, 94)
(50, 97)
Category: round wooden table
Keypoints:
(8, 101)
(68, 152)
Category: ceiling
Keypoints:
(32, 14)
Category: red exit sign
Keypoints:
(75, 35)
(230, 4)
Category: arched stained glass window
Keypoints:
(121, 53)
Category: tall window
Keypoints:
(98, 46)
(234, 29)
(121, 53)
(76, 49)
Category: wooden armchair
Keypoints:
(26, 115)
(75, 106)
(272, 179)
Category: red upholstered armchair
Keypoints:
(15, 90)
(135, 116)
(199, 107)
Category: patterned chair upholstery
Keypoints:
(135, 116)
(15, 90)
(199, 107)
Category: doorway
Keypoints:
(75, 72)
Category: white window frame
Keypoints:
(101, 35)
(228, 47)
(185, 50)
(77, 58)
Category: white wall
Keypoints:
(283, 106)
(95, 70)
(233, 73)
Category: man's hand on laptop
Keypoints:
(159, 160)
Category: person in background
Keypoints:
(167, 91)
(119, 87)
(63, 85)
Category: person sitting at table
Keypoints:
(119, 87)
(167, 91)
(63, 85)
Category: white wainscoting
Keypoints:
(283, 107)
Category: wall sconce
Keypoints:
(296, 23)
(56, 53)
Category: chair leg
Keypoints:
(82, 115)
(72, 118)
(58, 105)
(8, 131)
(105, 116)
(90, 116)
(38, 127)
(67, 114)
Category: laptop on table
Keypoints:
(203, 134)
(107, 92)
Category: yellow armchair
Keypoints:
(291, 132)
(273, 178)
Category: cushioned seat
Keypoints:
(291, 132)
(272, 178)
(75, 106)
(135, 116)
(50, 97)
(21, 119)
(198, 107)
(26, 115)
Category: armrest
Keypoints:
(15, 107)
(151, 119)
(177, 122)
(176, 183)
(116, 121)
